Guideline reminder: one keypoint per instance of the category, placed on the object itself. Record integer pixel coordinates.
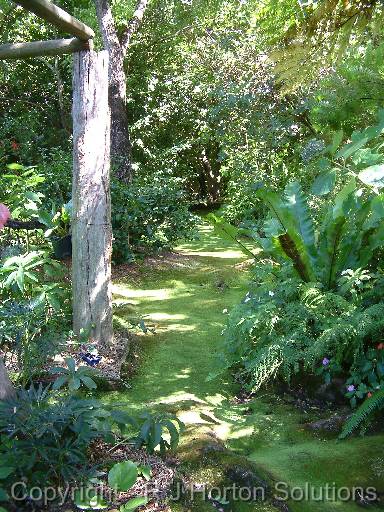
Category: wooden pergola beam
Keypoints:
(58, 17)
(43, 48)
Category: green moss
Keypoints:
(184, 299)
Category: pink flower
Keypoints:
(5, 215)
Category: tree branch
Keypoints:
(107, 26)
(133, 25)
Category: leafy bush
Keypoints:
(151, 432)
(148, 217)
(316, 301)
(35, 309)
(285, 326)
(348, 237)
(46, 435)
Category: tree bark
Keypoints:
(212, 179)
(120, 139)
(91, 222)
(133, 25)
(6, 387)
(121, 149)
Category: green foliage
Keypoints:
(346, 239)
(29, 276)
(19, 189)
(121, 478)
(35, 309)
(152, 429)
(285, 326)
(363, 414)
(228, 232)
(46, 435)
(73, 377)
(148, 218)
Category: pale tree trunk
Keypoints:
(212, 178)
(121, 152)
(6, 387)
(91, 223)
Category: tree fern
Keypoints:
(370, 405)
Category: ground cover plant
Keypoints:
(240, 341)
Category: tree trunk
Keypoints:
(121, 149)
(120, 140)
(91, 223)
(212, 179)
(6, 387)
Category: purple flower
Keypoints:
(90, 359)
(351, 388)
(326, 361)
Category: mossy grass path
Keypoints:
(183, 296)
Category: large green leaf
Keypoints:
(330, 238)
(5, 471)
(373, 176)
(360, 138)
(337, 139)
(134, 503)
(297, 204)
(342, 197)
(228, 232)
(291, 241)
(324, 183)
(123, 476)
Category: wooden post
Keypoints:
(91, 223)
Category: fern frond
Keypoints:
(363, 412)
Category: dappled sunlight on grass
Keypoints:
(185, 303)
(130, 293)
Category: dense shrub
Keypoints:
(285, 326)
(146, 218)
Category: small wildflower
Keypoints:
(15, 145)
(380, 346)
(351, 388)
(271, 294)
(369, 395)
(326, 361)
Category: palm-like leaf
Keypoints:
(292, 241)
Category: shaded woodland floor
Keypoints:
(226, 440)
